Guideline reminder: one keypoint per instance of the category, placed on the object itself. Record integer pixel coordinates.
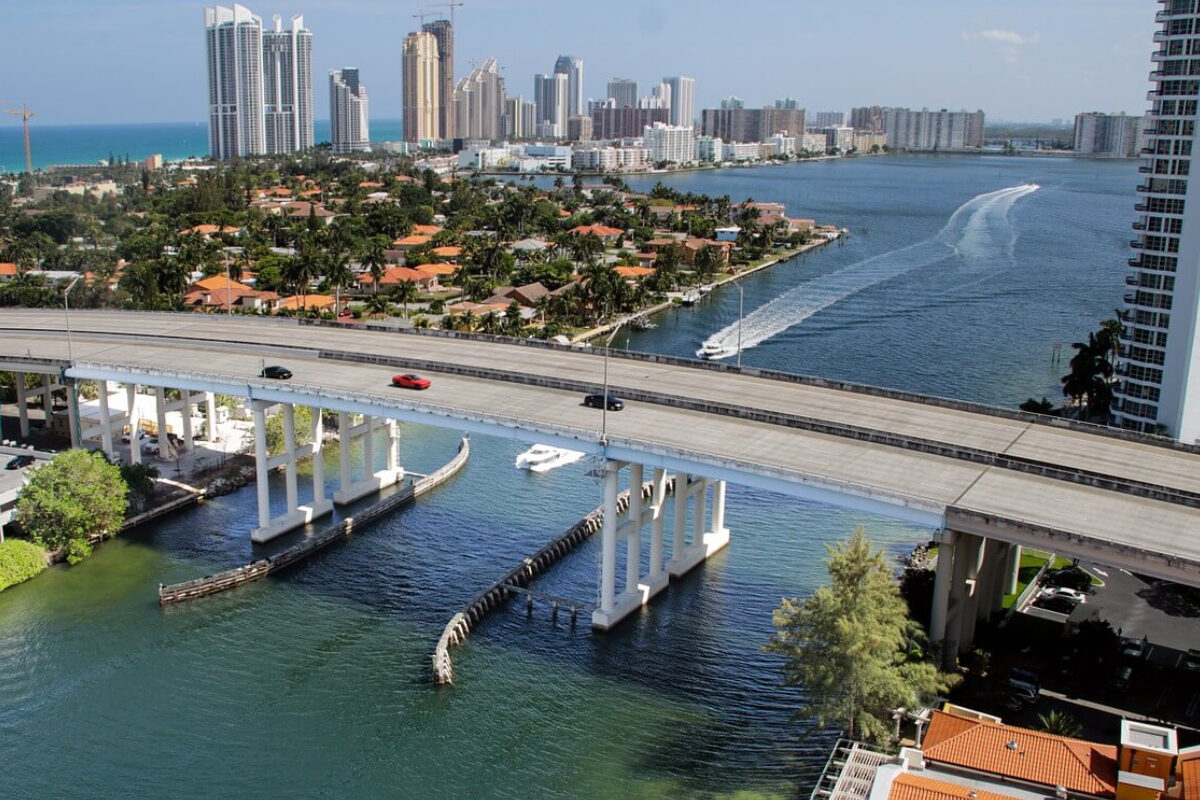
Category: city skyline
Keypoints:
(968, 60)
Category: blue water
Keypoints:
(316, 683)
(88, 144)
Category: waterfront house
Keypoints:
(8, 271)
(608, 235)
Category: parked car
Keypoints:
(597, 401)
(1073, 577)
(1026, 676)
(1063, 591)
(1018, 694)
(1191, 661)
(276, 372)
(410, 381)
(1122, 678)
(1061, 605)
(1133, 648)
(18, 462)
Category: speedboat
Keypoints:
(715, 350)
(690, 297)
(544, 457)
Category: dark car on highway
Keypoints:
(17, 462)
(276, 372)
(597, 401)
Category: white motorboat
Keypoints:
(690, 297)
(714, 351)
(544, 457)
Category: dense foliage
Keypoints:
(76, 495)
(852, 646)
(19, 561)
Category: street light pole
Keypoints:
(741, 309)
(67, 313)
(604, 412)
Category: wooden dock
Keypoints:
(223, 581)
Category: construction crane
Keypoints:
(450, 6)
(25, 114)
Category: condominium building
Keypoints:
(624, 122)
(550, 95)
(683, 100)
(236, 122)
(828, 119)
(1107, 135)
(866, 118)
(932, 131)
(443, 32)
(624, 91)
(421, 81)
(479, 103)
(839, 138)
(579, 129)
(572, 67)
(1159, 367)
(287, 87)
(735, 124)
(349, 121)
(520, 118)
(671, 144)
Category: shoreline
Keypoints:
(670, 303)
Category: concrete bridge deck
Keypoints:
(1133, 503)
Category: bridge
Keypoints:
(988, 480)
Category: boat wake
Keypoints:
(977, 230)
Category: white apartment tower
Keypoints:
(349, 122)
(572, 67)
(287, 87)
(551, 96)
(479, 103)
(672, 144)
(683, 100)
(421, 84)
(236, 123)
(1159, 369)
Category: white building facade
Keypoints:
(1158, 373)
(683, 100)
(236, 120)
(1107, 135)
(673, 144)
(287, 87)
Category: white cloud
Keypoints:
(1008, 44)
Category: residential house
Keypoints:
(608, 235)
(8, 271)
(312, 302)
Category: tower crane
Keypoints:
(450, 6)
(25, 113)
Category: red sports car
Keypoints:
(411, 382)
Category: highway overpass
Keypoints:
(986, 474)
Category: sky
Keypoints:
(122, 61)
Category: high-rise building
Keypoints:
(750, 124)
(236, 121)
(1158, 371)
(932, 131)
(349, 121)
(572, 67)
(443, 32)
(579, 129)
(519, 118)
(1107, 135)
(550, 95)
(672, 144)
(826, 119)
(866, 118)
(287, 87)
(479, 103)
(683, 100)
(624, 91)
(731, 102)
(421, 83)
(625, 122)
(787, 104)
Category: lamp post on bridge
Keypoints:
(67, 313)
(741, 310)
(604, 412)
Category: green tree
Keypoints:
(19, 561)
(76, 495)
(303, 424)
(852, 646)
(1060, 724)
(404, 293)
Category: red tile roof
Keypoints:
(8, 268)
(1027, 755)
(908, 786)
(1189, 769)
(598, 230)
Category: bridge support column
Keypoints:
(638, 588)
(73, 413)
(160, 410)
(941, 587)
(47, 401)
(22, 405)
(106, 436)
(705, 540)
(135, 423)
(968, 559)
(296, 515)
(1012, 569)
(186, 430)
(210, 417)
(657, 576)
(373, 479)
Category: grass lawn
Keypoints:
(1031, 562)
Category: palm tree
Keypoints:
(338, 274)
(466, 320)
(377, 305)
(375, 260)
(1060, 724)
(1090, 376)
(404, 293)
(303, 269)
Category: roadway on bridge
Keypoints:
(890, 474)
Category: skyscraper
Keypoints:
(683, 100)
(443, 32)
(479, 103)
(349, 125)
(287, 87)
(550, 95)
(624, 91)
(1158, 371)
(1107, 135)
(236, 123)
(572, 67)
(421, 84)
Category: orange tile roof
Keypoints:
(1190, 769)
(208, 230)
(370, 184)
(917, 787)
(439, 269)
(448, 251)
(8, 268)
(633, 272)
(412, 241)
(219, 283)
(318, 301)
(598, 230)
(1037, 757)
(426, 230)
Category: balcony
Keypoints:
(1131, 280)
(1137, 244)
(1146, 169)
(1143, 188)
(1139, 226)
(1148, 151)
(1141, 208)
(1136, 262)
(1130, 298)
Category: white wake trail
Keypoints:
(977, 229)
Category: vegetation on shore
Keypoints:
(853, 647)
(19, 561)
(74, 498)
(1088, 385)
